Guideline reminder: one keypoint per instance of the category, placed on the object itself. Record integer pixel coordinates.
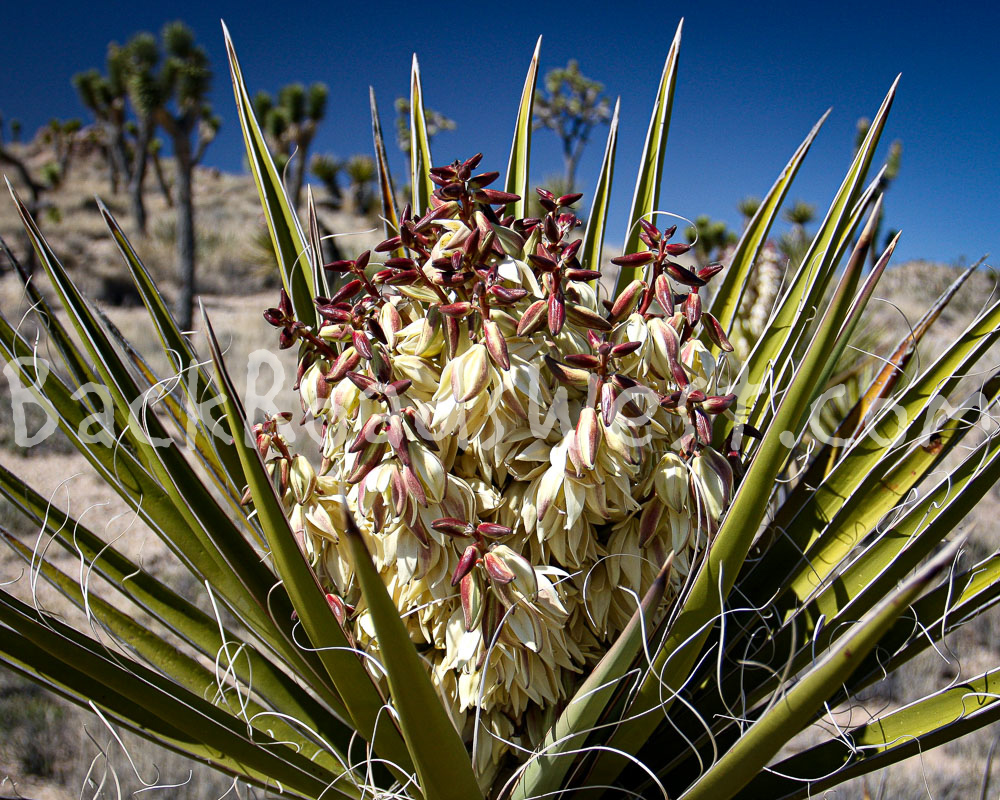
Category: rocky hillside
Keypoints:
(233, 248)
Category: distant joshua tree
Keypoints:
(710, 238)
(105, 97)
(435, 121)
(327, 169)
(571, 105)
(290, 125)
(795, 242)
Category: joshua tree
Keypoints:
(328, 168)
(147, 92)
(15, 130)
(436, 122)
(184, 78)
(710, 238)
(291, 125)
(62, 136)
(360, 171)
(104, 97)
(748, 207)
(571, 105)
(795, 242)
(155, 148)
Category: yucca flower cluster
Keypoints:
(522, 457)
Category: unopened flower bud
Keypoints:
(302, 478)
(492, 530)
(496, 344)
(507, 568)
(473, 599)
(664, 294)
(465, 564)
(711, 483)
(588, 436)
(557, 313)
(470, 373)
(715, 332)
(532, 319)
(670, 480)
(626, 301)
(584, 317)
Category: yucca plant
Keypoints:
(555, 541)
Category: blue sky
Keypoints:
(753, 79)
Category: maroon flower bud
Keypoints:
(391, 243)
(331, 313)
(347, 291)
(583, 360)
(634, 259)
(396, 388)
(451, 335)
(466, 564)
(413, 486)
(683, 275)
(484, 179)
(532, 319)
(677, 249)
(715, 333)
(363, 382)
(345, 362)
(609, 399)
(692, 308)
(361, 343)
(543, 263)
(546, 199)
(557, 313)
(457, 310)
(339, 266)
(582, 315)
(492, 530)
(664, 294)
(496, 345)
(373, 427)
(507, 296)
(370, 457)
(716, 404)
(498, 571)
(550, 229)
(452, 526)
(710, 270)
(650, 230)
(571, 250)
(582, 274)
(702, 426)
(672, 400)
(397, 440)
(494, 197)
(569, 199)
(626, 301)
(625, 348)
